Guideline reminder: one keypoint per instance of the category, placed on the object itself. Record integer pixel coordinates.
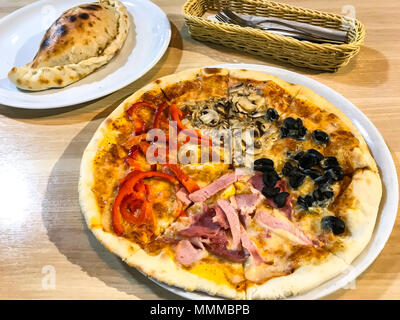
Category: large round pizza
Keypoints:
(231, 182)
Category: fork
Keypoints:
(285, 31)
(304, 28)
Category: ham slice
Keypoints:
(196, 242)
(218, 185)
(209, 232)
(233, 220)
(257, 182)
(182, 195)
(250, 247)
(217, 244)
(247, 203)
(220, 217)
(203, 224)
(273, 223)
(186, 254)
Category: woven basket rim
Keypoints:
(352, 45)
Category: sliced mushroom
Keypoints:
(257, 114)
(256, 99)
(236, 88)
(262, 126)
(209, 117)
(245, 105)
(221, 107)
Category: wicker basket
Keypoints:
(326, 56)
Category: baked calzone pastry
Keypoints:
(80, 41)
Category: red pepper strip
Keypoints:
(140, 199)
(183, 214)
(157, 116)
(127, 177)
(134, 140)
(176, 115)
(140, 188)
(139, 123)
(144, 146)
(131, 159)
(143, 104)
(136, 159)
(127, 188)
(128, 207)
(188, 183)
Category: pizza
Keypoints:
(231, 182)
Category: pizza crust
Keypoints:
(291, 88)
(195, 85)
(163, 268)
(366, 187)
(34, 78)
(306, 277)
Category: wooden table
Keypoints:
(41, 226)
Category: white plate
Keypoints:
(22, 31)
(388, 208)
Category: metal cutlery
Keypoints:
(298, 30)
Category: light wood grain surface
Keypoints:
(40, 220)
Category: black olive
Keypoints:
(272, 115)
(298, 155)
(293, 128)
(318, 195)
(284, 132)
(270, 191)
(312, 173)
(305, 202)
(296, 178)
(323, 181)
(308, 160)
(316, 153)
(263, 164)
(289, 123)
(334, 224)
(329, 162)
(270, 178)
(301, 132)
(328, 194)
(320, 137)
(280, 199)
(287, 168)
(336, 173)
(298, 124)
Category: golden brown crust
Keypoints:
(80, 41)
(195, 85)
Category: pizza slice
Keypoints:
(108, 163)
